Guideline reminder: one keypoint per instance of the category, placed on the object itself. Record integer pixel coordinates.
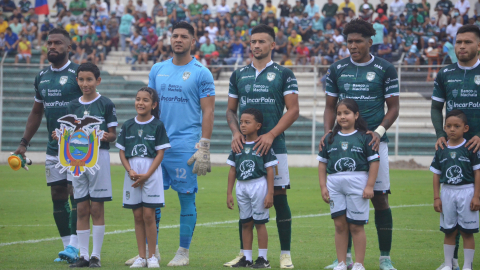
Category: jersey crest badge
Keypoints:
(140, 132)
(163, 87)
(247, 150)
(453, 154)
(455, 93)
(63, 80)
(79, 143)
(44, 92)
(454, 174)
(270, 76)
(370, 76)
(344, 146)
(347, 86)
(186, 75)
(247, 167)
(247, 88)
(345, 164)
(477, 79)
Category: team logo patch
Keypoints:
(44, 92)
(139, 150)
(247, 150)
(345, 164)
(47, 171)
(63, 80)
(127, 195)
(454, 174)
(455, 93)
(370, 76)
(450, 105)
(79, 143)
(332, 204)
(186, 75)
(339, 66)
(344, 145)
(328, 72)
(247, 88)
(270, 76)
(453, 154)
(247, 167)
(347, 86)
(163, 87)
(140, 132)
(477, 79)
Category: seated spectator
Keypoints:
(32, 17)
(381, 18)
(90, 50)
(401, 20)
(16, 26)
(146, 29)
(417, 16)
(102, 9)
(181, 11)
(366, 13)
(221, 37)
(237, 49)
(144, 19)
(16, 14)
(270, 18)
(2, 43)
(208, 47)
(330, 55)
(75, 38)
(24, 50)
(222, 49)
(350, 16)
(136, 38)
(161, 29)
(303, 54)
(114, 35)
(317, 23)
(411, 57)
(433, 52)
(79, 57)
(11, 41)
(65, 19)
(216, 61)
(104, 46)
(430, 30)
(385, 50)
(72, 25)
(91, 34)
(130, 6)
(477, 22)
(305, 26)
(312, 9)
(3, 25)
(281, 42)
(29, 30)
(212, 29)
(59, 5)
(158, 50)
(293, 41)
(409, 41)
(417, 30)
(452, 29)
(343, 52)
(298, 9)
(340, 19)
(338, 37)
(286, 61)
(151, 38)
(329, 32)
(316, 43)
(204, 38)
(135, 52)
(463, 7)
(99, 28)
(144, 51)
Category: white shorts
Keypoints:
(53, 175)
(282, 176)
(456, 211)
(151, 194)
(346, 196)
(382, 184)
(94, 187)
(250, 199)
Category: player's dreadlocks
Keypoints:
(359, 26)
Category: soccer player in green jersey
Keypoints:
(457, 85)
(371, 82)
(55, 87)
(270, 88)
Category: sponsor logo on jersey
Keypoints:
(468, 93)
(291, 79)
(335, 149)
(448, 70)
(63, 80)
(462, 158)
(347, 86)
(139, 150)
(186, 75)
(477, 79)
(370, 76)
(454, 81)
(462, 105)
(247, 88)
(44, 81)
(455, 93)
(140, 132)
(247, 167)
(128, 138)
(247, 150)
(71, 70)
(114, 112)
(339, 66)
(271, 76)
(443, 160)
(345, 164)
(391, 87)
(347, 75)
(163, 75)
(356, 149)
(263, 100)
(174, 99)
(292, 85)
(453, 154)
(54, 92)
(174, 88)
(328, 72)
(378, 66)
(149, 138)
(246, 77)
(454, 175)
(344, 146)
(55, 104)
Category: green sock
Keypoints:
(73, 217)
(349, 248)
(284, 221)
(61, 214)
(457, 243)
(240, 233)
(384, 224)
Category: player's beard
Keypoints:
(470, 56)
(56, 58)
(262, 56)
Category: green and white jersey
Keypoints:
(55, 88)
(142, 139)
(348, 153)
(264, 90)
(305, 23)
(369, 84)
(410, 39)
(101, 108)
(431, 30)
(248, 165)
(456, 164)
(459, 88)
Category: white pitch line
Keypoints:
(208, 224)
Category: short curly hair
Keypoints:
(359, 26)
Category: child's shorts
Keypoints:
(346, 196)
(151, 194)
(250, 199)
(456, 211)
(94, 187)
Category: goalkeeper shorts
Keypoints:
(177, 174)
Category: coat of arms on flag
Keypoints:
(79, 143)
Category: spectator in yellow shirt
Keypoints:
(346, 6)
(72, 25)
(293, 41)
(3, 25)
(270, 7)
(24, 50)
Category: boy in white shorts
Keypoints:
(254, 189)
(458, 170)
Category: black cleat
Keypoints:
(80, 263)
(243, 263)
(260, 262)
(94, 262)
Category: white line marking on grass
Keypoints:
(208, 224)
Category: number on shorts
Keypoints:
(275, 170)
(181, 173)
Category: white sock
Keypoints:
(468, 258)
(455, 261)
(349, 255)
(98, 233)
(448, 251)
(247, 254)
(74, 241)
(83, 243)
(263, 253)
(66, 241)
(381, 257)
(285, 252)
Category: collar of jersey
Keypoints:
(363, 64)
(268, 64)
(90, 102)
(456, 146)
(62, 68)
(469, 68)
(146, 122)
(348, 134)
(250, 142)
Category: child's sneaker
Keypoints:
(260, 262)
(243, 263)
(386, 264)
(286, 262)
(94, 262)
(455, 266)
(335, 263)
(139, 263)
(153, 262)
(81, 262)
(132, 260)
(234, 261)
(340, 266)
(358, 266)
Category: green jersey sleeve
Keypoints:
(38, 96)
(475, 160)
(120, 144)
(323, 155)
(290, 84)
(231, 159)
(270, 159)
(391, 82)
(371, 154)
(331, 88)
(161, 138)
(232, 89)
(110, 115)
(439, 92)
(435, 167)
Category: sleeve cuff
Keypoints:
(322, 159)
(370, 158)
(112, 124)
(271, 163)
(476, 167)
(163, 146)
(290, 92)
(207, 95)
(38, 100)
(232, 95)
(119, 146)
(438, 99)
(231, 163)
(331, 94)
(392, 95)
(435, 171)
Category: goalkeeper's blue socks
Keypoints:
(188, 218)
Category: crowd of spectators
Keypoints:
(306, 32)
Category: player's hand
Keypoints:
(133, 175)
(268, 202)
(140, 180)
(325, 195)
(475, 204)
(263, 143)
(201, 159)
(54, 135)
(237, 142)
(375, 142)
(442, 142)
(474, 142)
(368, 193)
(437, 205)
(105, 137)
(322, 141)
(21, 150)
(230, 202)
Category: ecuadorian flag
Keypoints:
(41, 7)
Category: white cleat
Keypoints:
(455, 266)
(132, 260)
(286, 261)
(234, 261)
(446, 268)
(340, 266)
(181, 258)
(153, 262)
(139, 263)
(358, 266)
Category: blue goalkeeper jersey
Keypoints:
(180, 89)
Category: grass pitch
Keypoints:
(29, 238)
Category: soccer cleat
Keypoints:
(181, 258)
(386, 264)
(243, 263)
(455, 266)
(94, 262)
(153, 262)
(70, 254)
(260, 262)
(81, 262)
(59, 260)
(340, 266)
(335, 263)
(139, 263)
(445, 267)
(132, 260)
(234, 261)
(358, 266)
(286, 261)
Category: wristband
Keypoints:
(380, 130)
(24, 142)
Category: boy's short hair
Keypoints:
(457, 113)
(89, 67)
(257, 115)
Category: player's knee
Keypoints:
(355, 229)
(59, 192)
(466, 236)
(247, 225)
(341, 225)
(279, 192)
(83, 210)
(148, 217)
(380, 202)
(96, 210)
(138, 215)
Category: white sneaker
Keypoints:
(153, 262)
(455, 266)
(446, 267)
(157, 254)
(181, 258)
(286, 261)
(139, 263)
(132, 260)
(340, 266)
(358, 266)
(234, 261)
